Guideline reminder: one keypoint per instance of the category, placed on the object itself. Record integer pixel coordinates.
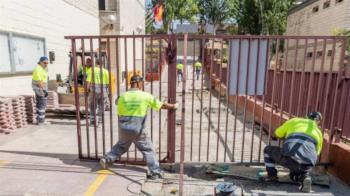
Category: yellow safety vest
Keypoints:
(39, 75)
(97, 76)
(301, 125)
(179, 66)
(136, 103)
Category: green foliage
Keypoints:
(264, 16)
(177, 10)
(267, 17)
(343, 32)
(216, 11)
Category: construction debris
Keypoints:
(16, 112)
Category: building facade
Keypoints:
(30, 29)
(123, 17)
(317, 17)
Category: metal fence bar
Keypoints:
(134, 73)
(126, 75)
(171, 56)
(311, 78)
(264, 97)
(160, 97)
(118, 66)
(273, 89)
(85, 98)
(210, 89)
(183, 112)
(201, 107)
(227, 98)
(110, 95)
(293, 78)
(337, 84)
(193, 89)
(342, 82)
(93, 96)
(255, 94)
(236, 101)
(302, 78)
(102, 106)
(219, 97)
(151, 72)
(284, 82)
(320, 78)
(329, 79)
(76, 96)
(245, 98)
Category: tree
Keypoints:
(267, 17)
(217, 12)
(274, 15)
(182, 10)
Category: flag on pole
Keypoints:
(158, 13)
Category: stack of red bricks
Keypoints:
(19, 113)
(7, 122)
(30, 108)
(16, 112)
(52, 100)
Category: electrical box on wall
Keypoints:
(51, 56)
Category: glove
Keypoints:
(46, 94)
(176, 105)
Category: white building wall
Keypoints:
(51, 20)
(132, 16)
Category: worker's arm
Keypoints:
(41, 84)
(319, 143)
(88, 85)
(281, 132)
(169, 106)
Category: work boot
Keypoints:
(306, 185)
(105, 162)
(155, 176)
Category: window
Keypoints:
(319, 54)
(326, 4)
(24, 54)
(338, 1)
(101, 5)
(5, 63)
(329, 53)
(309, 55)
(315, 9)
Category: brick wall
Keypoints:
(305, 22)
(51, 21)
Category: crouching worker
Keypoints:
(132, 111)
(302, 144)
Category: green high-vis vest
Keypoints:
(39, 74)
(301, 125)
(97, 74)
(179, 66)
(136, 103)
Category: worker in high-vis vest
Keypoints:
(95, 90)
(198, 67)
(179, 68)
(132, 112)
(302, 144)
(40, 87)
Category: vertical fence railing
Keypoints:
(97, 129)
(302, 74)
